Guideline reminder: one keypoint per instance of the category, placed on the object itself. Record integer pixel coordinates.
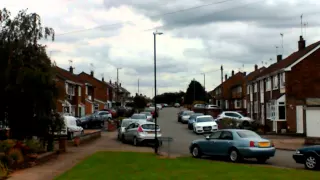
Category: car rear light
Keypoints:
(252, 144)
(272, 144)
(140, 129)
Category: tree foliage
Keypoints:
(28, 89)
(139, 101)
(195, 92)
(170, 97)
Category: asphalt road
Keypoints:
(182, 138)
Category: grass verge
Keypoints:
(146, 166)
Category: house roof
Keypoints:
(289, 60)
(89, 78)
(64, 74)
(251, 76)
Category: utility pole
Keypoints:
(221, 95)
(194, 90)
(138, 86)
(118, 84)
(204, 81)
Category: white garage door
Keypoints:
(313, 121)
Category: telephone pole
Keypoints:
(221, 95)
(138, 86)
(194, 89)
(118, 84)
(204, 81)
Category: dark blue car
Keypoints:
(309, 156)
(192, 119)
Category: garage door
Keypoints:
(313, 121)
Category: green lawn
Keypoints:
(140, 166)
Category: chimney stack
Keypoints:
(102, 79)
(120, 84)
(232, 72)
(301, 43)
(255, 67)
(91, 73)
(110, 81)
(71, 69)
(245, 73)
(226, 77)
(279, 58)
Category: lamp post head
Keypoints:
(157, 33)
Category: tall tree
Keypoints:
(195, 92)
(170, 97)
(28, 90)
(139, 101)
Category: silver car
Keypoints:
(149, 116)
(139, 117)
(124, 123)
(140, 132)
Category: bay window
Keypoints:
(256, 107)
(248, 107)
(248, 89)
(275, 82)
(268, 110)
(255, 87)
(282, 80)
(268, 84)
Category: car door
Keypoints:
(224, 143)
(133, 131)
(209, 146)
(127, 134)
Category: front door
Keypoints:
(299, 117)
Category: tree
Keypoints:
(139, 101)
(170, 97)
(28, 90)
(195, 92)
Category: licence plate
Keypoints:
(150, 132)
(264, 144)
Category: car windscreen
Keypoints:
(125, 123)
(146, 113)
(149, 126)
(186, 113)
(148, 110)
(247, 134)
(205, 119)
(138, 116)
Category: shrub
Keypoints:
(34, 146)
(16, 155)
(6, 145)
(228, 123)
(4, 171)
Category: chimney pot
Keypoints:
(232, 72)
(92, 73)
(226, 77)
(102, 79)
(245, 73)
(255, 67)
(279, 58)
(71, 69)
(110, 81)
(301, 43)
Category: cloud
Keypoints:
(199, 36)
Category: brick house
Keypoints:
(232, 93)
(251, 93)
(76, 96)
(101, 99)
(120, 93)
(285, 89)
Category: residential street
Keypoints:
(182, 138)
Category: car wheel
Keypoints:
(196, 152)
(311, 162)
(245, 124)
(234, 155)
(262, 160)
(86, 126)
(135, 141)
(82, 132)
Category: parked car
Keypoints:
(153, 111)
(113, 112)
(103, 115)
(204, 124)
(184, 116)
(235, 144)
(91, 121)
(141, 133)
(71, 127)
(176, 105)
(148, 114)
(139, 117)
(211, 106)
(165, 105)
(159, 106)
(309, 156)
(199, 106)
(124, 123)
(192, 119)
(245, 121)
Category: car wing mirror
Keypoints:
(207, 137)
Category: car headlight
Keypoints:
(297, 152)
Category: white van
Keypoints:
(72, 128)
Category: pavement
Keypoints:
(182, 138)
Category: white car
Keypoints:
(159, 106)
(72, 128)
(204, 124)
(199, 106)
(211, 106)
(148, 114)
(139, 117)
(185, 115)
(235, 115)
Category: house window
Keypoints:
(282, 111)
(248, 107)
(237, 104)
(255, 87)
(256, 107)
(239, 90)
(96, 107)
(218, 103)
(248, 89)
(282, 80)
(227, 105)
(273, 110)
(261, 86)
(71, 90)
(86, 90)
(261, 97)
(244, 104)
(79, 90)
(268, 84)
(268, 110)
(275, 82)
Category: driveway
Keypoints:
(182, 138)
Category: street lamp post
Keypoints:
(156, 144)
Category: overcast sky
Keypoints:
(199, 36)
